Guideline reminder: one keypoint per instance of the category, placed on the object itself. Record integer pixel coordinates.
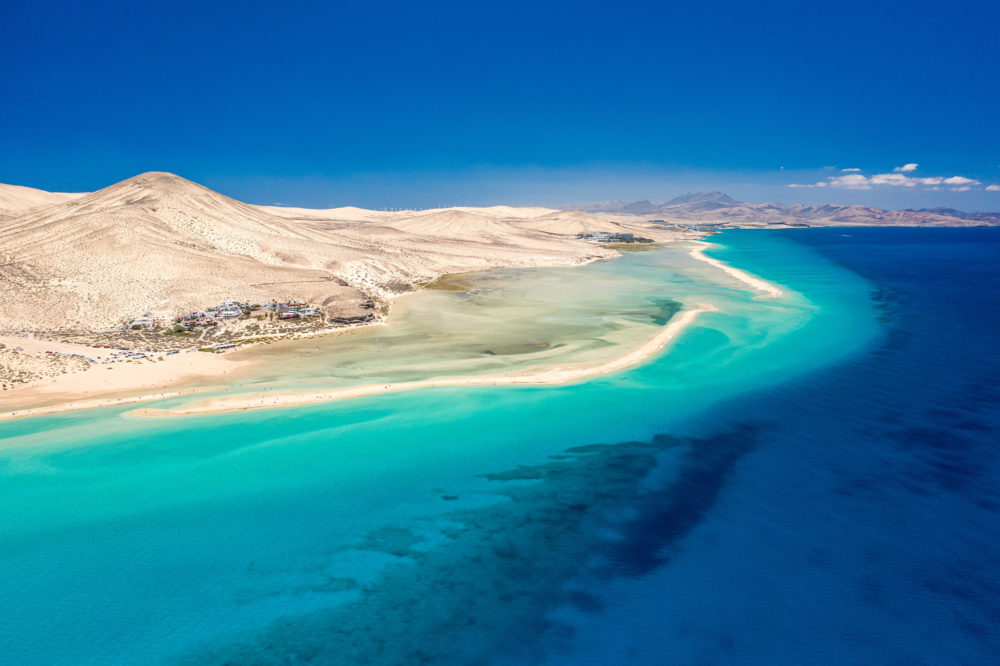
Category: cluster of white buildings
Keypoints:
(231, 310)
(607, 237)
(223, 311)
(292, 309)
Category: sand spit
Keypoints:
(752, 280)
(550, 376)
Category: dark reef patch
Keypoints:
(489, 588)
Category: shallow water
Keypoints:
(506, 321)
(790, 483)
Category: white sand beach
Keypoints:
(104, 385)
(753, 281)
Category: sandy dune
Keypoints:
(161, 244)
(569, 222)
(17, 199)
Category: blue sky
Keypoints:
(419, 104)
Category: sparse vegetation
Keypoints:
(637, 246)
(398, 287)
(380, 305)
(450, 282)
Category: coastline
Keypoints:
(553, 376)
(170, 376)
(196, 373)
(753, 281)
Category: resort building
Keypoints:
(606, 237)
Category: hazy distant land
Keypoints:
(716, 209)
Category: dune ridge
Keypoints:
(16, 199)
(161, 244)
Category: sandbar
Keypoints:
(753, 281)
(550, 376)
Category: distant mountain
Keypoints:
(596, 206)
(991, 218)
(703, 201)
(719, 209)
(642, 208)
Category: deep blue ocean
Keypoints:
(810, 482)
(851, 515)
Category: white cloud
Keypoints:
(892, 179)
(993, 188)
(960, 180)
(852, 181)
(898, 178)
(851, 169)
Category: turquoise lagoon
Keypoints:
(441, 525)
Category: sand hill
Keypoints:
(456, 224)
(16, 199)
(569, 222)
(154, 243)
(159, 243)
